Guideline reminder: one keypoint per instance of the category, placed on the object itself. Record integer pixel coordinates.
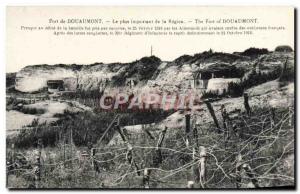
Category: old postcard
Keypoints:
(150, 97)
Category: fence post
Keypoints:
(291, 120)
(64, 148)
(249, 171)
(250, 174)
(122, 134)
(212, 113)
(94, 162)
(225, 118)
(93, 157)
(37, 172)
(238, 168)
(195, 136)
(130, 159)
(158, 155)
(13, 154)
(129, 154)
(71, 146)
(190, 184)
(161, 138)
(284, 69)
(195, 167)
(202, 165)
(189, 173)
(146, 178)
(148, 133)
(188, 130)
(272, 117)
(246, 103)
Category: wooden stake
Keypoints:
(195, 168)
(272, 117)
(188, 130)
(137, 169)
(130, 159)
(188, 142)
(13, 154)
(202, 165)
(224, 116)
(246, 103)
(212, 113)
(161, 138)
(37, 171)
(195, 136)
(71, 146)
(238, 168)
(250, 173)
(129, 153)
(122, 134)
(158, 155)
(291, 119)
(283, 72)
(146, 178)
(94, 162)
(64, 148)
(148, 133)
(190, 184)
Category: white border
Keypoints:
(4, 3)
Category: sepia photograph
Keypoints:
(193, 98)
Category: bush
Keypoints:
(144, 69)
(284, 48)
(235, 89)
(253, 52)
(253, 79)
(86, 127)
(212, 94)
(32, 110)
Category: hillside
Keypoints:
(90, 77)
(149, 72)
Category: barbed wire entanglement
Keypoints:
(248, 149)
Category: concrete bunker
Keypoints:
(55, 85)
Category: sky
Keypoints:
(25, 47)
